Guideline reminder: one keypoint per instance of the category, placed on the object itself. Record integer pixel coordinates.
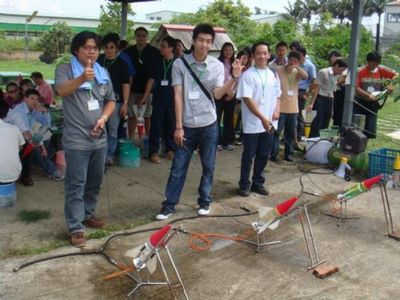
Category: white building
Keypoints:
(391, 24)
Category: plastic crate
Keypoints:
(381, 161)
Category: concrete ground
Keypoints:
(368, 260)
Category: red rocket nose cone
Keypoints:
(157, 236)
(368, 183)
(284, 206)
(28, 149)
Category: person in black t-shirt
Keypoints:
(142, 55)
(163, 115)
(119, 74)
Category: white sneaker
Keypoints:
(163, 215)
(203, 211)
(57, 176)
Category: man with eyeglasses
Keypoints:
(12, 97)
(88, 102)
(142, 55)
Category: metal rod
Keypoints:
(384, 209)
(177, 273)
(305, 236)
(165, 274)
(311, 233)
(388, 208)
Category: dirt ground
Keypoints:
(367, 259)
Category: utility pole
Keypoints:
(28, 20)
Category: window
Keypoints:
(159, 18)
(393, 18)
(151, 18)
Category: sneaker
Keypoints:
(228, 147)
(26, 181)
(203, 210)
(154, 158)
(57, 176)
(259, 189)
(94, 222)
(274, 159)
(244, 192)
(163, 215)
(289, 158)
(109, 162)
(78, 239)
(298, 147)
(238, 143)
(170, 155)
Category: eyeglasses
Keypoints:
(90, 48)
(12, 91)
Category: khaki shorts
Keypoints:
(133, 99)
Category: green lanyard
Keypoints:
(263, 82)
(90, 90)
(104, 62)
(167, 67)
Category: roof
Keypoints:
(394, 3)
(184, 33)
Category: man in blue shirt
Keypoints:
(306, 88)
(28, 116)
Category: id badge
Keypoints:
(194, 95)
(140, 61)
(164, 82)
(290, 93)
(93, 104)
(370, 89)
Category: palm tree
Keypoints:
(341, 9)
(294, 11)
(375, 7)
(309, 7)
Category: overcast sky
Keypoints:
(91, 8)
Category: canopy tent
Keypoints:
(124, 14)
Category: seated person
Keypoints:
(45, 89)
(12, 96)
(26, 116)
(12, 142)
(24, 85)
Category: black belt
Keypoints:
(325, 97)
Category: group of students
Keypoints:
(182, 98)
(25, 106)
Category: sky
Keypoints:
(91, 8)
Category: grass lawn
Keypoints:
(29, 67)
(388, 121)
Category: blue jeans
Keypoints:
(112, 130)
(256, 145)
(83, 177)
(289, 123)
(44, 162)
(206, 138)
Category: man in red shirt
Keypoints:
(45, 90)
(369, 83)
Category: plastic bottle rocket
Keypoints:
(359, 188)
(308, 117)
(270, 215)
(341, 171)
(139, 113)
(141, 255)
(396, 172)
(36, 140)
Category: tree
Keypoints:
(376, 7)
(295, 11)
(55, 42)
(257, 10)
(110, 19)
(309, 7)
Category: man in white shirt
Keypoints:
(12, 141)
(259, 90)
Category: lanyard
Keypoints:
(263, 82)
(167, 67)
(198, 72)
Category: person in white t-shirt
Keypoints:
(259, 90)
(12, 141)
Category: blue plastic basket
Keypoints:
(381, 161)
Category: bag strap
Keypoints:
(197, 80)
